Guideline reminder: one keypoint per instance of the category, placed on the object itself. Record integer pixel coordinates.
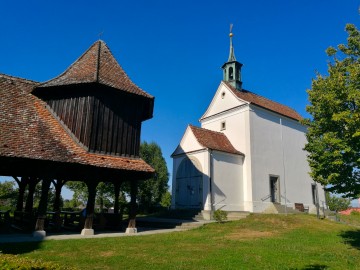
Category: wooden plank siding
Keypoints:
(97, 126)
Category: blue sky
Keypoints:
(174, 49)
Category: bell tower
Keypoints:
(232, 68)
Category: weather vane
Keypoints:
(231, 27)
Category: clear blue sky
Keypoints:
(174, 49)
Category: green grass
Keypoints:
(352, 219)
(258, 242)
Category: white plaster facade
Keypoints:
(272, 146)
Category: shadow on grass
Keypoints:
(352, 238)
(19, 248)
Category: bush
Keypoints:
(355, 213)
(220, 216)
(11, 262)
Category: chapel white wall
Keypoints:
(277, 144)
(190, 148)
(227, 182)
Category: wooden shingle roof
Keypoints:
(97, 65)
(28, 131)
(213, 140)
(265, 103)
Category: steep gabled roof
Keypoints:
(29, 131)
(264, 102)
(97, 65)
(213, 140)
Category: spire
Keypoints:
(232, 68)
(231, 54)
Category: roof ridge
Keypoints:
(69, 67)
(260, 96)
(237, 92)
(213, 140)
(19, 78)
(218, 132)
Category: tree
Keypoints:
(337, 204)
(8, 195)
(334, 130)
(166, 199)
(152, 190)
(104, 194)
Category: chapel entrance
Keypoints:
(274, 189)
(189, 184)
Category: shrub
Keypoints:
(355, 213)
(220, 216)
(10, 262)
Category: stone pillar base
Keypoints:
(87, 232)
(39, 234)
(131, 230)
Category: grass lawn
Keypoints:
(258, 242)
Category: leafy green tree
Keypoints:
(334, 128)
(80, 192)
(337, 204)
(166, 199)
(152, 190)
(104, 194)
(8, 195)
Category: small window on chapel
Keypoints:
(222, 95)
(223, 125)
(231, 73)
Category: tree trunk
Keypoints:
(40, 222)
(133, 206)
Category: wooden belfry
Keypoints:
(83, 125)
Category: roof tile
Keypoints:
(28, 130)
(265, 103)
(214, 140)
(97, 65)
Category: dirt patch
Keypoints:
(248, 234)
(106, 254)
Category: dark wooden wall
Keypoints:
(102, 124)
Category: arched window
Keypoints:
(231, 73)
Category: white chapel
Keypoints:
(246, 156)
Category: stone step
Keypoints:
(231, 215)
(237, 215)
(281, 209)
(188, 226)
(192, 225)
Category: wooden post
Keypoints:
(22, 186)
(40, 222)
(90, 209)
(117, 186)
(133, 208)
(33, 181)
(58, 184)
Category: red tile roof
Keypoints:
(98, 65)
(265, 103)
(28, 130)
(214, 140)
